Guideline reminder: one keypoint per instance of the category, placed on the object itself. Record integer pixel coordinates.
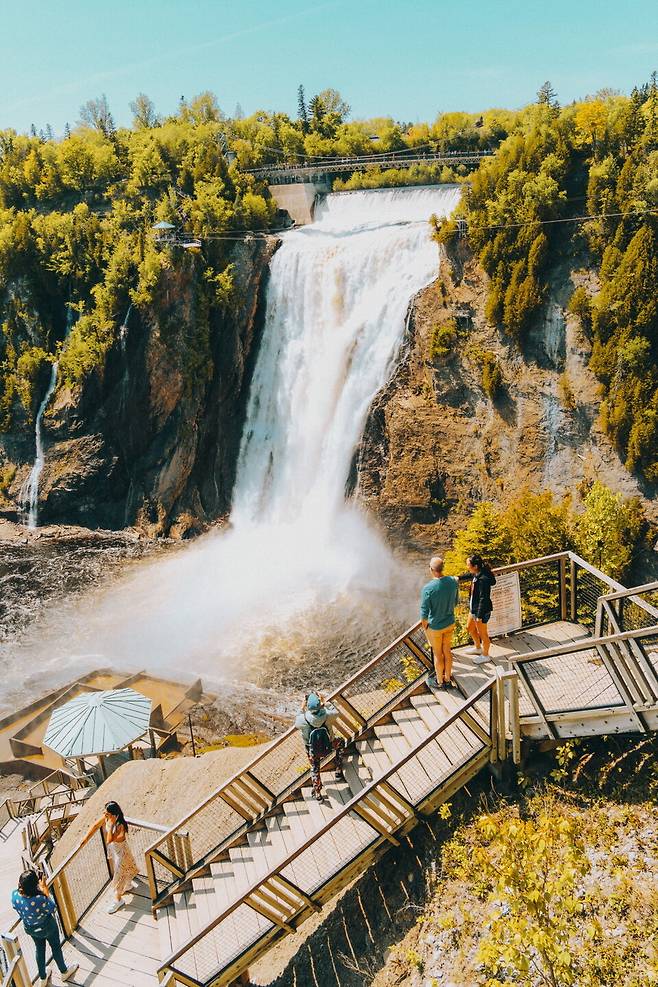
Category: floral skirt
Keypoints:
(124, 868)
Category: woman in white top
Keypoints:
(124, 868)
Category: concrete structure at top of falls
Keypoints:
(299, 199)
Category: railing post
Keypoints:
(493, 722)
(500, 725)
(512, 680)
(64, 901)
(563, 588)
(573, 584)
(13, 952)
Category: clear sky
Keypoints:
(404, 58)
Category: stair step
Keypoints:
(374, 757)
(458, 740)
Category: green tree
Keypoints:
(302, 112)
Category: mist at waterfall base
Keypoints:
(302, 585)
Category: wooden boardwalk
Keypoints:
(260, 855)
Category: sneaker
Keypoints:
(114, 907)
(473, 650)
(339, 776)
(134, 884)
(318, 796)
(44, 981)
(481, 659)
(70, 971)
(432, 682)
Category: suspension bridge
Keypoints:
(322, 169)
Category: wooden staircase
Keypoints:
(295, 823)
(255, 859)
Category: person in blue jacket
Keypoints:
(33, 903)
(438, 600)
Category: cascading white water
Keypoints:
(29, 495)
(30, 490)
(300, 568)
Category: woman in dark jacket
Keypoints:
(480, 607)
(33, 903)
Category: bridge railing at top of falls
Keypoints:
(560, 586)
(313, 167)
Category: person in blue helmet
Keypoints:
(314, 722)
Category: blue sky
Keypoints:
(407, 58)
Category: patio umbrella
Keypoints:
(98, 723)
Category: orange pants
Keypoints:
(441, 642)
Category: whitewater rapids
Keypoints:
(301, 574)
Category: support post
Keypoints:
(514, 715)
(16, 959)
(573, 588)
(563, 589)
(500, 726)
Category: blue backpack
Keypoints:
(319, 740)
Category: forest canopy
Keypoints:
(76, 247)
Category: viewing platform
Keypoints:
(259, 856)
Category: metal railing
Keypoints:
(338, 165)
(275, 903)
(610, 678)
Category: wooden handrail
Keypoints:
(139, 823)
(633, 592)
(348, 807)
(585, 644)
(284, 736)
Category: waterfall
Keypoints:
(29, 495)
(301, 571)
(337, 299)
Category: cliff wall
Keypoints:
(151, 438)
(436, 443)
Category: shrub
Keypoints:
(492, 375)
(580, 305)
(444, 339)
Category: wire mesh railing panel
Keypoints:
(377, 685)
(140, 839)
(87, 874)
(588, 590)
(633, 615)
(282, 765)
(540, 593)
(206, 828)
(649, 647)
(5, 814)
(222, 945)
(346, 839)
(578, 680)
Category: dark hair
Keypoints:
(478, 563)
(115, 810)
(28, 884)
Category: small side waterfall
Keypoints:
(29, 496)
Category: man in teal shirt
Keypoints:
(438, 599)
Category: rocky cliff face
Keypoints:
(151, 439)
(436, 444)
